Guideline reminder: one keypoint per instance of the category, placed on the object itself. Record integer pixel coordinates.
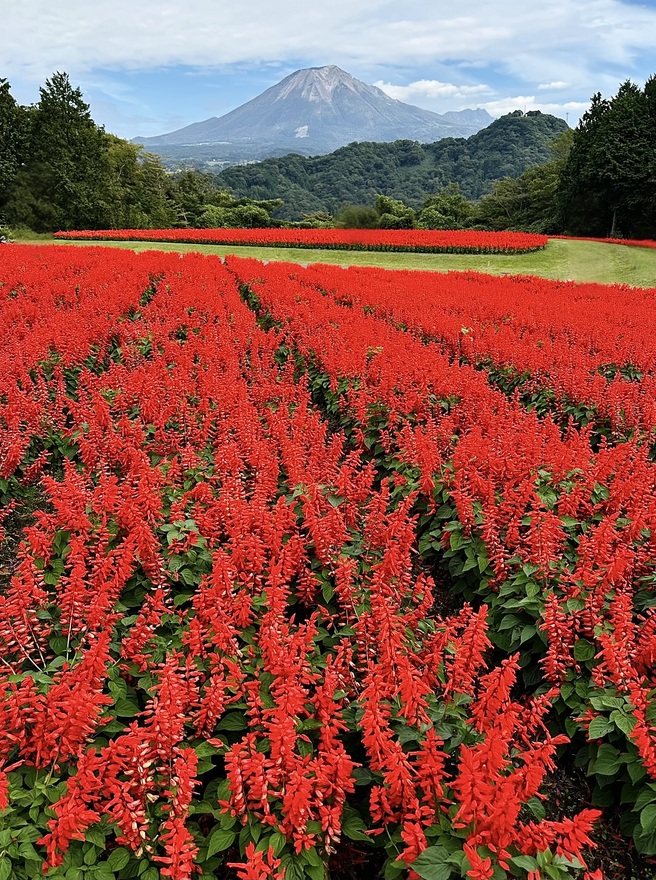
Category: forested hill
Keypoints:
(405, 170)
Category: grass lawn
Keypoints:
(565, 260)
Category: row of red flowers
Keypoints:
(414, 240)
(219, 632)
(585, 351)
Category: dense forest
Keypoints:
(60, 170)
(404, 170)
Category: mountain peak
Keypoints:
(315, 83)
(312, 111)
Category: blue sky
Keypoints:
(151, 66)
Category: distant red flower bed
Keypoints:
(628, 242)
(458, 241)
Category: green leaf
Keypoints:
(648, 819)
(526, 863)
(118, 858)
(363, 776)
(5, 869)
(220, 839)
(527, 633)
(27, 851)
(233, 721)
(393, 869)
(433, 864)
(315, 872)
(645, 842)
(636, 770)
(606, 763)
(606, 702)
(624, 722)
(599, 727)
(94, 835)
(277, 841)
(583, 650)
(292, 866)
(353, 827)
(126, 708)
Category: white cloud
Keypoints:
(439, 55)
(526, 38)
(525, 103)
(430, 89)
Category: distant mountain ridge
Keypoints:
(313, 112)
(405, 170)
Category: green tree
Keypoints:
(356, 217)
(317, 220)
(13, 140)
(63, 184)
(447, 209)
(393, 214)
(529, 203)
(243, 216)
(609, 183)
(136, 188)
(192, 192)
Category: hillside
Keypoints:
(405, 169)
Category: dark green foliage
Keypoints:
(13, 138)
(403, 170)
(59, 170)
(393, 214)
(608, 184)
(448, 209)
(356, 217)
(69, 173)
(386, 213)
(136, 188)
(529, 202)
(66, 161)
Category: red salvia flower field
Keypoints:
(313, 570)
(458, 241)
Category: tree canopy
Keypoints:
(608, 184)
(405, 171)
(59, 170)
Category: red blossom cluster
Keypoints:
(219, 634)
(459, 241)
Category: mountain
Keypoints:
(312, 112)
(405, 170)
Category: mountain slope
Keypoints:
(314, 111)
(405, 169)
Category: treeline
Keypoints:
(527, 172)
(59, 170)
(404, 170)
(531, 202)
(600, 180)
